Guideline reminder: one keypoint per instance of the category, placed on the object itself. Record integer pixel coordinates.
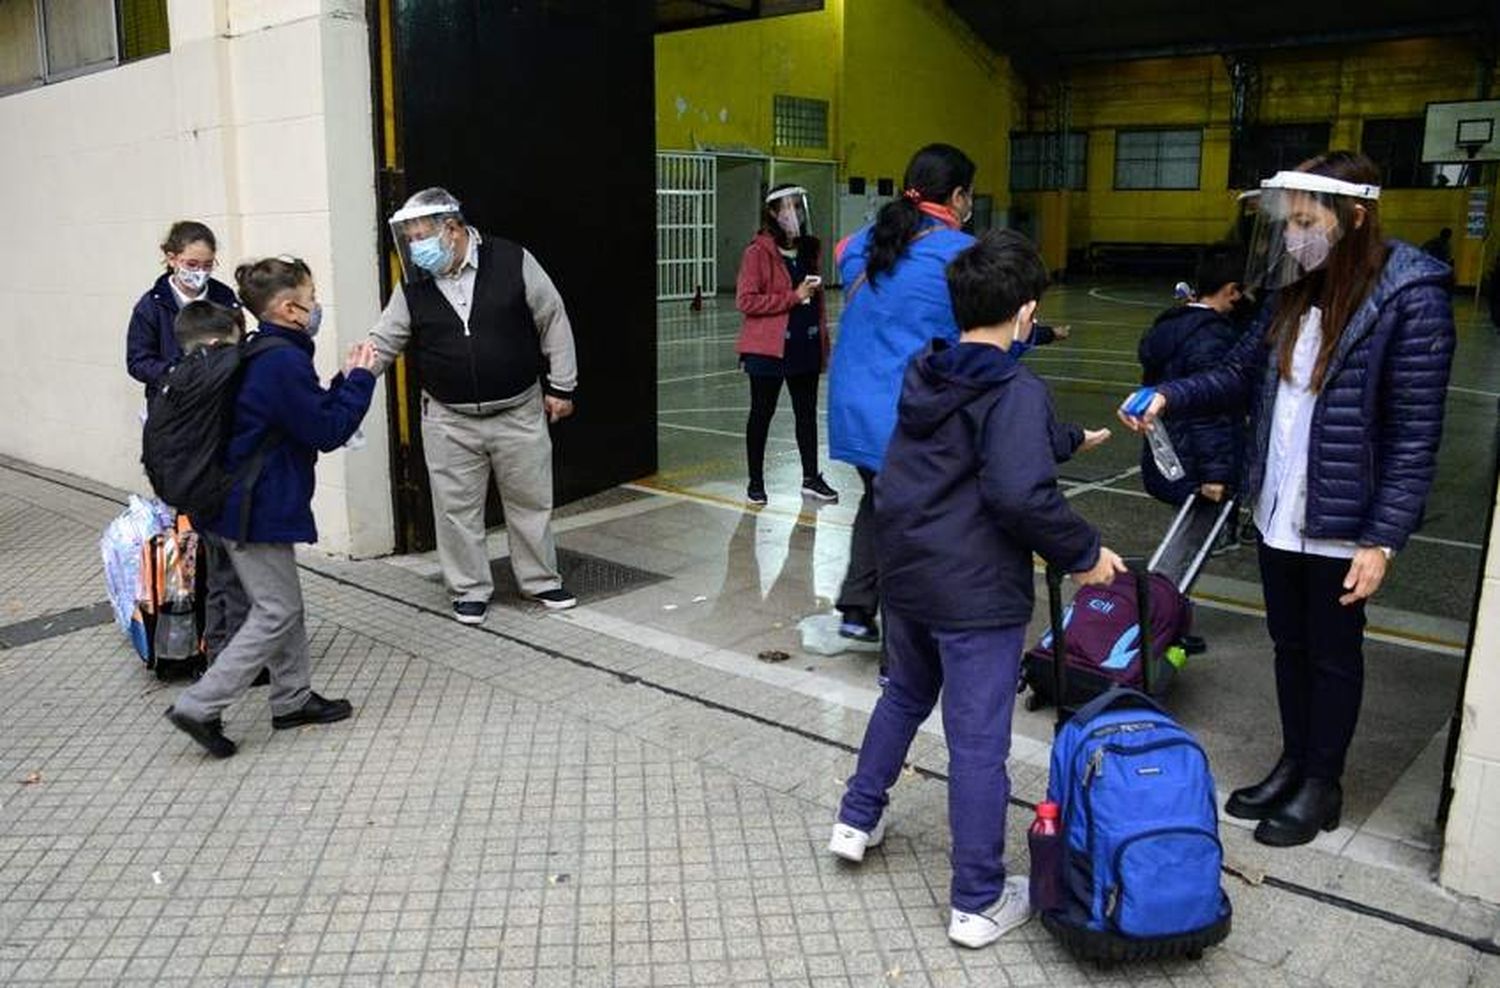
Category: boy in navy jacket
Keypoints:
(967, 494)
(282, 410)
(1187, 340)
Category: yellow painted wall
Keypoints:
(1340, 86)
(897, 74)
(915, 74)
(714, 85)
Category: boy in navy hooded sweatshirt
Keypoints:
(967, 495)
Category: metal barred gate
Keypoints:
(685, 221)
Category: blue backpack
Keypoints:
(1140, 830)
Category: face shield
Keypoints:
(423, 237)
(1299, 219)
(790, 206)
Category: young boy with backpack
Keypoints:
(281, 418)
(1183, 341)
(200, 326)
(967, 494)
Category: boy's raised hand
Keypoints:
(361, 357)
(1094, 438)
(1109, 565)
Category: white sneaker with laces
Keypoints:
(1009, 912)
(850, 843)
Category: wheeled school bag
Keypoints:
(1106, 625)
(1140, 830)
(167, 626)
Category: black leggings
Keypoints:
(1320, 659)
(764, 392)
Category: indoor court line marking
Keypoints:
(697, 377)
(1098, 293)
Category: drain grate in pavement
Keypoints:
(590, 578)
(51, 625)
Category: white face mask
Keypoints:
(192, 280)
(1309, 246)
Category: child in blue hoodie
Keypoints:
(967, 494)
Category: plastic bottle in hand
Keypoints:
(1156, 434)
(1163, 452)
(1046, 842)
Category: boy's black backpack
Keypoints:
(188, 426)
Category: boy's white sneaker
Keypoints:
(1009, 912)
(850, 843)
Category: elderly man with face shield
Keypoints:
(1345, 372)
(493, 348)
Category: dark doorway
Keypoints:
(538, 115)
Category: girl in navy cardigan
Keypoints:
(189, 253)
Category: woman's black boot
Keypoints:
(1314, 807)
(1262, 799)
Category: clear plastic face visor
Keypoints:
(1299, 219)
(413, 229)
(791, 209)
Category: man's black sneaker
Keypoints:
(317, 710)
(756, 494)
(556, 599)
(817, 488)
(209, 733)
(470, 611)
(859, 624)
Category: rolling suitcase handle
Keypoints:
(1059, 634)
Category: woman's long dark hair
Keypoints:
(933, 174)
(1341, 286)
(808, 247)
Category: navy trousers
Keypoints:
(974, 671)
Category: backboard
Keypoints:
(1463, 131)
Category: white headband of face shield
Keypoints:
(1308, 182)
(790, 190)
(417, 212)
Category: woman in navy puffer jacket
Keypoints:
(1345, 375)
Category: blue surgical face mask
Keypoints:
(431, 254)
(314, 318)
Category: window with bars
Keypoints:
(1265, 150)
(799, 122)
(1158, 159)
(45, 41)
(1036, 164)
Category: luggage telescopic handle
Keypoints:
(1059, 644)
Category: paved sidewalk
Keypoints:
(531, 803)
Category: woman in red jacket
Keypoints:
(784, 336)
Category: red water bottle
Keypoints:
(1046, 841)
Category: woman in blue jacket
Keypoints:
(895, 301)
(189, 252)
(1345, 373)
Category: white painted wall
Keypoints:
(258, 123)
(1471, 849)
